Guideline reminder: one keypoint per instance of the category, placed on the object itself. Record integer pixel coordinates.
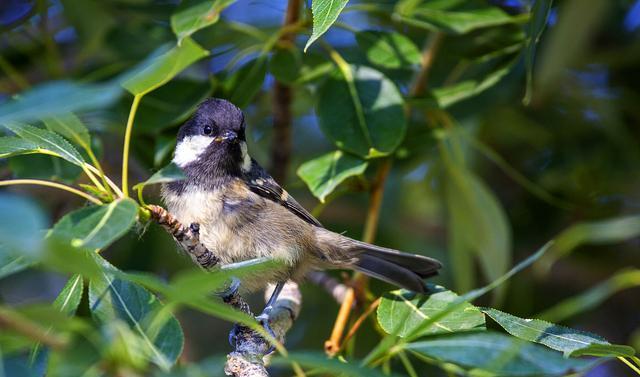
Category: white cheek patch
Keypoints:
(189, 149)
(246, 159)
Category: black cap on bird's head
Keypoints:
(215, 118)
(214, 135)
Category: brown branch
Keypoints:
(249, 359)
(187, 237)
(282, 119)
(336, 289)
(431, 48)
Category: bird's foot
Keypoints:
(263, 320)
(228, 294)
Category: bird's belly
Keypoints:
(224, 233)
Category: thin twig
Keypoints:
(40, 182)
(356, 325)
(333, 344)
(336, 289)
(429, 52)
(187, 237)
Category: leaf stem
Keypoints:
(411, 371)
(633, 367)
(39, 182)
(111, 184)
(97, 165)
(127, 143)
(92, 177)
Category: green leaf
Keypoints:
(67, 302)
(169, 173)
(162, 66)
(596, 232)
(401, 312)
(14, 146)
(323, 174)
(58, 98)
(72, 128)
(48, 141)
(458, 21)
(193, 15)
(243, 84)
(69, 298)
(96, 227)
(111, 299)
(388, 49)
(170, 105)
(38, 164)
(460, 301)
(325, 13)
(604, 350)
(452, 94)
(285, 65)
(569, 41)
(592, 297)
(478, 224)
(12, 262)
(556, 337)
(489, 353)
(539, 16)
(365, 117)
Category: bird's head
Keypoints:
(214, 135)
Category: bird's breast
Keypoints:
(222, 223)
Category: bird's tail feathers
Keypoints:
(401, 269)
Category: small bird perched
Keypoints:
(241, 213)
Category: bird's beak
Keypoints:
(229, 136)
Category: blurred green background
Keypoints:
(571, 154)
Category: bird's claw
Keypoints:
(263, 320)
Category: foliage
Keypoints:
(427, 87)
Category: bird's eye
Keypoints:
(207, 130)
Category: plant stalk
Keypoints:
(39, 182)
(127, 144)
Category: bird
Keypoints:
(242, 213)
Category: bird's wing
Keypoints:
(261, 183)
